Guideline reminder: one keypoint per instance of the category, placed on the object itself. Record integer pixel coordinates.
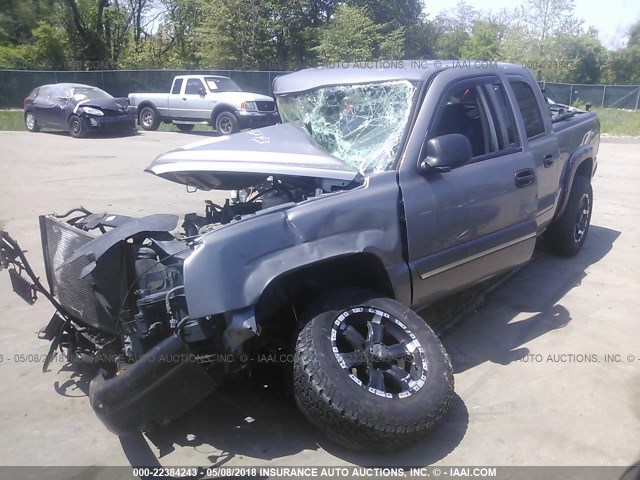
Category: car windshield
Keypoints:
(361, 125)
(216, 84)
(87, 93)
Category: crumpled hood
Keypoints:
(246, 159)
(116, 104)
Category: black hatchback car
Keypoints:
(77, 108)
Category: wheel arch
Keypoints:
(218, 109)
(295, 288)
(581, 164)
(144, 104)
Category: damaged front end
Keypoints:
(116, 283)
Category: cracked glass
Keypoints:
(362, 125)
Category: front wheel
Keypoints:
(30, 122)
(227, 123)
(567, 234)
(149, 119)
(77, 128)
(370, 373)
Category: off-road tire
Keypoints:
(227, 123)
(348, 412)
(77, 128)
(184, 127)
(30, 122)
(561, 237)
(149, 119)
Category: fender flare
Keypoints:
(218, 109)
(144, 104)
(583, 154)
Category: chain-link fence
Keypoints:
(15, 85)
(607, 96)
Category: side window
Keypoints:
(528, 105)
(463, 110)
(177, 85)
(506, 117)
(193, 86)
(45, 93)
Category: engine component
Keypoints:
(276, 197)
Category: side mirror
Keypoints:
(446, 152)
(202, 92)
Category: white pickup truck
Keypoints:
(204, 99)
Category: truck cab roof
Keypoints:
(366, 72)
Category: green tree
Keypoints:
(48, 49)
(581, 59)
(546, 19)
(634, 35)
(350, 37)
(19, 17)
(623, 67)
(484, 42)
(420, 41)
(395, 13)
(452, 30)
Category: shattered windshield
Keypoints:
(361, 125)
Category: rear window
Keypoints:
(44, 92)
(529, 109)
(177, 85)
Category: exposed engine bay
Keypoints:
(117, 284)
(273, 192)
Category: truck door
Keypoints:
(194, 100)
(543, 144)
(177, 100)
(478, 219)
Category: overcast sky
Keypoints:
(611, 17)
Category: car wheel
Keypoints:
(370, 373)
(566, 235)
(227, 123)
(77, 128)
(30, 122)
(184, 127)
(148, 119)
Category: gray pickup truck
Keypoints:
(204, 99)
(382, 191)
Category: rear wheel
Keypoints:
(370, 373)
(227, 123)
(30, 122)
(184, 127)
(149, 119)
(77, 128)
(567, 234)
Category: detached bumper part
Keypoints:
(160, 386)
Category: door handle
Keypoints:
(184, 98)
(525, 177)
(548, 160)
